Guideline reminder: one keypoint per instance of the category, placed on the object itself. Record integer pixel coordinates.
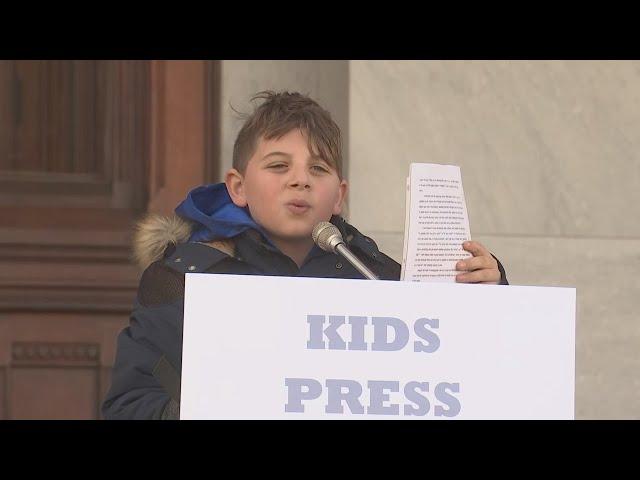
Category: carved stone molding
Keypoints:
(45, 353)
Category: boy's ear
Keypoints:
(342, 197)
(235, 186)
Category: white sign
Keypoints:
(266, 347)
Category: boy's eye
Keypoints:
(320, 168)
(277, 165)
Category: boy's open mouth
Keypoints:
(298, 206)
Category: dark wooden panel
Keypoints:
(58, 128)
(51, 121)
(3, 391)
(53, 393)
(85, 115)
(29, 152)
(6, 115)
(75, 133)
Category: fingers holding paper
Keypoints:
(481, 268)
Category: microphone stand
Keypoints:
(355, 261)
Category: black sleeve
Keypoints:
(389, 268)
(154, 333)
(503, 274)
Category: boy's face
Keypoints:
(287, 189)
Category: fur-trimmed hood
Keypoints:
(207, 215)
(154, 233)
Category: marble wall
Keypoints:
(550, 159)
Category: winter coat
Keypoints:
(146, 372)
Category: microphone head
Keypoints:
(327, 236)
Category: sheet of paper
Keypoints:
(436, 223)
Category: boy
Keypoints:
(286, 177)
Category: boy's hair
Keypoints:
(278, 115)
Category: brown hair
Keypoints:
(278, 115)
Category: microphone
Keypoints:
(327, 236)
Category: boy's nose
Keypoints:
(301, 185)
(300, 179)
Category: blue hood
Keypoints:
(216, 216)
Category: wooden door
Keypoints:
(86, 148)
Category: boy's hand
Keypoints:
(481, 268)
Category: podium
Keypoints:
(262, 347)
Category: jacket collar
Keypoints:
(252, 247)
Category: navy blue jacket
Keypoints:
(145, 377)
